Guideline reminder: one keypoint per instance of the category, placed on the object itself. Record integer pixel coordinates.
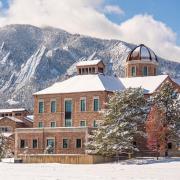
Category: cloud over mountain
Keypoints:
(87, 17)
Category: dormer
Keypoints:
(90, 67)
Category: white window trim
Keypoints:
(82, 98)
(42, 124)
(40, 100)
(96, 97)
(55, 105)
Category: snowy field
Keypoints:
(126, 170)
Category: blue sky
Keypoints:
(152, 22)
(167, 11)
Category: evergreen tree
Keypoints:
(4, 146)
(123, 119)
(167, 102)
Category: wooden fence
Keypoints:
(64, 159)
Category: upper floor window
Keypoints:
(95, 124)
(133, 71)
(96, 103)
(83, 104)
(40, 124)
(68, 113)
(53, 106)
(41, 106)
(5, 129)
(82, 123)
(145, 71)
(53, 124)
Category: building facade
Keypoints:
(66, 112)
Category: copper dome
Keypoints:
(142, 52)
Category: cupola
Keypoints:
(90, 67)
(141, 61)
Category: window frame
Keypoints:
(53, 100)
(76, 143)
(40, 101)
(82, 121)
(51, 124)
(41, 124)
(133, 75)
(63, 143)
(33, 144)
(21, 144)
(80, 108)
(68, 99)
(96, 97)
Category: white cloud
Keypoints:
(113, 9)
(86, 17)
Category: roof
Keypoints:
(11, 110)
(12, 119)
(142, 52)
(7, 134)
(89, 62)
(29, 118)
(100, 82)
(148, 83)
(84, 83)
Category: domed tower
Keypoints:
(141, 61)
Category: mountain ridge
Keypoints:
(32, 58)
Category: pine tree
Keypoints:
(167, 102)
(126, 112)
(4, 146)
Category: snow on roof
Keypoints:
(30, 118)
(84, 83)
(7, 134)
(148, 83)
(11, 110)
(13, 119)
(100, 82)
(88, 62)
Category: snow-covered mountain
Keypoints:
(33, 58)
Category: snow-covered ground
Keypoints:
(168, 169)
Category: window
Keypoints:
(93, 70)
(5, 129)
(79, 71)
(53, 106)
(50, 145)
(170, 145)
(16, 114)
(22, 143)
(95, 124)
(40, 124)
(133, 71)
(35, 143)
(65, 143)
(41, 106)
(78, 143)
(83, 104)
(53, 124)
(145, 71)
(82, 123)
(68, 113)
(96, 104)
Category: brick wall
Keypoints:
(89, 115)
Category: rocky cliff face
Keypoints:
(33, 58)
